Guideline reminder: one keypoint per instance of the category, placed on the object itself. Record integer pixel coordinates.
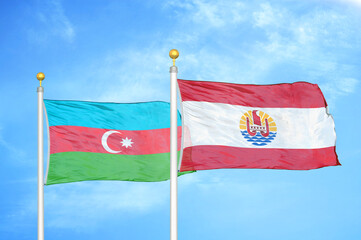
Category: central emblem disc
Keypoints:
(258, 127)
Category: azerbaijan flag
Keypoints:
(108, 141)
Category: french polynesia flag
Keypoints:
(281, 126)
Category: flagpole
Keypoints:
(40, 76)
(173, 148)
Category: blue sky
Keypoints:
(118, 51)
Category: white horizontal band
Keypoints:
(219, 124)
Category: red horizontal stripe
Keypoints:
(295, 95)
(84, 139)
(216, 157)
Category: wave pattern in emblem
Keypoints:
(258, 139)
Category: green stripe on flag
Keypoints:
(68, 167)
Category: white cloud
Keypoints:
(347, 85)
(83, 205)
(352, 2)
(221, 186)
(302, 40)
(313, 43)
(13, 152)
(53, 22)
(338, 87)
(230, 42)
(211, 13)
(267, 16)
(135, 75)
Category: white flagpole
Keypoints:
(173, 148)
(40, 76)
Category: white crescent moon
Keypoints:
(105, 139)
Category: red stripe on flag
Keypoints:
(84, 139)
(216, 157)
(295, 95)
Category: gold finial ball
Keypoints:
(40, 76)
(173, 53)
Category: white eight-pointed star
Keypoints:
(127, 142)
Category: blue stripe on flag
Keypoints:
(122, 116)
